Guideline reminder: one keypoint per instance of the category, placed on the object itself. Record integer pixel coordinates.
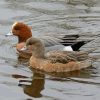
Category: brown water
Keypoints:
(17, 81)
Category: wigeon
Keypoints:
(55, 61)
(23, 31)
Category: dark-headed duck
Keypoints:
(23, 32)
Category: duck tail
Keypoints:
(76, 46)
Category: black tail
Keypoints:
(77, 45)
(72, 40)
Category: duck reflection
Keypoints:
(37, 85)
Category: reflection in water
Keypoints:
(37, 85)
(18, 76)
(84, 73)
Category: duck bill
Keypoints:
(23, 49)
(9, 34)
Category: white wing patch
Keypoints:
(67, 48)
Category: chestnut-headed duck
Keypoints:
(23, 31)
(55, 61)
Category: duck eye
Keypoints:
(16, 28)
(31, 43)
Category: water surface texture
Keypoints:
(17, 81)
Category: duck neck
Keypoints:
(39, 53)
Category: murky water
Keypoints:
(17, 81)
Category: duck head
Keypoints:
(23, 31)
(36, 46)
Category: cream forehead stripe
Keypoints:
(23, 24)
(14, 24)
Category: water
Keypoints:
(17, 81)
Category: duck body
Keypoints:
(56, 61)
(49, 66)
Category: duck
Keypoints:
(55, 61)
(24, 31)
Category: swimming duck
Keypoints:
(55, 61)
(23, 31)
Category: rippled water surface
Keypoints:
(17, 81)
